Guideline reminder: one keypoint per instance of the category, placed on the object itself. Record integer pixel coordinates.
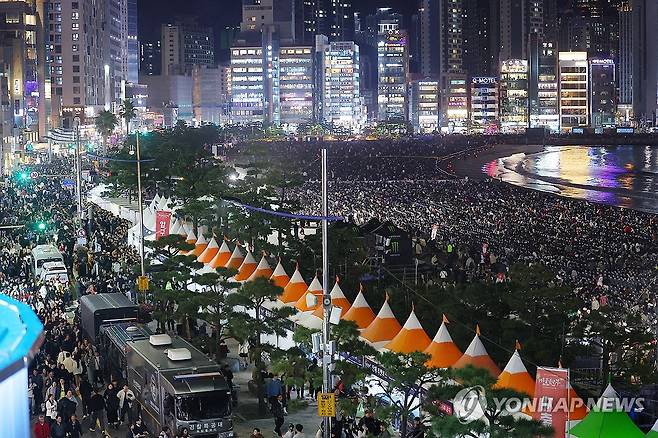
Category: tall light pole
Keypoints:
(326, 298)
(78, 169)
(141, 209)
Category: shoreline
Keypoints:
(472, 166)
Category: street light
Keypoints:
(141, 209)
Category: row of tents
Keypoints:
(383, 331)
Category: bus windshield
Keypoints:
(40, 262)
(204, 406)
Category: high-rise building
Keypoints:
(625, 63)
(185, 45)
(335, 18)
(82, 56)
(454, 103)
(645, 60)
(259, 15)
(247, 86)
(115, 48)
(341, 102)
(151, 64)
(513, 29)
(430, 54)
(480, 37)
(484, 104)
(393, 68)
(132, 45)
(574, 93)
(542, 84)
(424, 106)
(513, 95)
(296, 85)
(22, 73)
(573, 34)
(603, 102)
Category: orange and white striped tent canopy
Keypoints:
(411, 338)
(210, 252)
(295, 288)
(200, 245)
(443, 351)
(279, 276)
(384, 327)
(338, 299)
(222, 257)
(477, 356)
(236, 258)
(515, 376)
(315, 289)
(360, 312)
(247, 267)
(262, 270)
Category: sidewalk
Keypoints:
(246, 416)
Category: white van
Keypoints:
(48, 263)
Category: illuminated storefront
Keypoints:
(574, 101)
(484, 105)
(514, 96)
(393, 66)
(424, 106)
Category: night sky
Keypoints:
(222, 13)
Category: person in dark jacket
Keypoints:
(96, 407)
(74, 429)
(85, 395)
(111, 405)
(67, 406)
(58, 429)
(277, 411)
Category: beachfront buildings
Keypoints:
(513, 95)
(392, 71)
(484, 105)
(573, 86)
(340, 103)
(603, 91)
(424, 106)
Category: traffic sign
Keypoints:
(81, 233)
(142, 283)
(67, 182)
(34, 175)
(326, 404)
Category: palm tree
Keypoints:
(127, 111)
(106, 121)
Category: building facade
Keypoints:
(513, 95)
(393, 68)
(185, 45)
(603, 101)
(543, 84)
(341, 101)
(296, 82)
(151, 63)
(247, 85)
(574, 93)
(484, 110)
(424, 106)
(645, 61)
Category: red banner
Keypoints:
(162, 223)
(551, 398)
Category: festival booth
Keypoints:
(411, 338)
(294, 290)
(607, 420)
(477, 356)
(360, 311)
(653, 433)
(263, 270)
(279, 276)
(307, 303)
(516, 377)
(383, 328)
(443, 352)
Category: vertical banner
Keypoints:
(552, 398)
(162, 223)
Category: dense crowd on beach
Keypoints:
(607, 254)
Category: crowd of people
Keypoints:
(605, 253)
(68, 376)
